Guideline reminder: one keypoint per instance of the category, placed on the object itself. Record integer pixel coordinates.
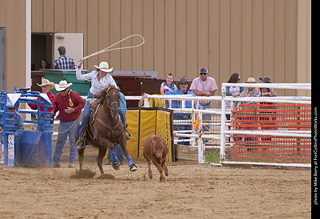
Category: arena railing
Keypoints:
(267, 130)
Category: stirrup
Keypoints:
(81, 144)
(128, 135)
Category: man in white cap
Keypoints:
(69, 104)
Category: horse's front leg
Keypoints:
(80, 157)
(102, 153)
(104, 141)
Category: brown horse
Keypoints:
(105, 128)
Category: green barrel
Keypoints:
(56, 75)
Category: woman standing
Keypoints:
(233, 91)
(100, 79)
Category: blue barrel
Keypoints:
(35, 149)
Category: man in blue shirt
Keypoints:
(15, 121)
(63, 62)
(183, 90)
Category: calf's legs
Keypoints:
(160, 169)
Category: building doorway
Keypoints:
(41, 48)
(45, 46)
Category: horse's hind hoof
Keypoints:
(133, 167)
(116, 165)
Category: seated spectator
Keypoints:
(168, 85)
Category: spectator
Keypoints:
(233, 91)
(248, 109)
(267, 119)
(63, 62)
(69, 104)
(16, 122)
(204, 86)
(251, 91)
(267, 92)
(168, 85)
(46, 86)
(43, 65)
(183, 90)
(123, 107)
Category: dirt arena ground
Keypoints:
(192, 191)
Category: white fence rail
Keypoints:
(215, 129)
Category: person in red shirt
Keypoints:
(69, 104)
(46, 86)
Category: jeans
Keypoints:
(86, 116)
(62, 137)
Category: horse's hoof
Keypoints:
(133, 167)
(116, 165)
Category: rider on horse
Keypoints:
(99, 80)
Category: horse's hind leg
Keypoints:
(102, 153)
(80, 157)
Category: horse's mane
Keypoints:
(102, 95)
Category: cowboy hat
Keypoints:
(104, 66)
(264, 80)
(62, 85)
(46, 82)
(251, 80)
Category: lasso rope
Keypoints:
(108, 49)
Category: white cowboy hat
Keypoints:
(46, 82)
(104, 66)
(251, 80)
(62, 85)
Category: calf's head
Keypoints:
(158, 145)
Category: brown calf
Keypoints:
(155, 149)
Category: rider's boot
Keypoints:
(81, 143)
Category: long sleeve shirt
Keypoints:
(73, 100)
(96, 85)
(64, 62)
(177, 103)
(51, 98)
(17, 122)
